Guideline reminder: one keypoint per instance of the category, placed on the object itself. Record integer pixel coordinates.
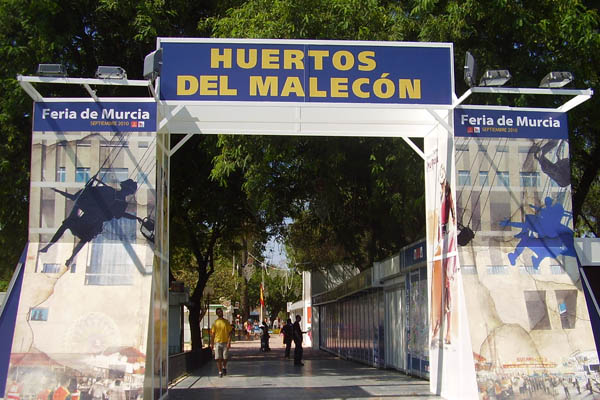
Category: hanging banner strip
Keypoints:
(95, 117)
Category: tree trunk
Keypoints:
(244, 306)
(196, 314)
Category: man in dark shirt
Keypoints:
(297, 333)
(287, 337)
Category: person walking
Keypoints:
(221, 341)
(264, 337)
(297, 333)
(287, 332)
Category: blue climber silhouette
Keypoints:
(543, 233)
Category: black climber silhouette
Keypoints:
(559, 171)
(93, 206)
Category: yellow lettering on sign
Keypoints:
(263, 87)
(318, 56)
(292, 85)
(224, 89)
(270, 59)
(410, 88)
(339, 87)
(313, 88)
(357, 88)
(208, 85)
(250, 62)
(217, 58)
(343, 60)
(293, 58)
(366, 60)
(186, 85)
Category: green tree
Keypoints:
(81, 34)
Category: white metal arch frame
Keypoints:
(190, 117)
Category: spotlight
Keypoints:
(51, 70)
(556, 79)
(153, 64)
(110, 72)
(470, 70)
(496, 77)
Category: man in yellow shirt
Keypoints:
(221, 341)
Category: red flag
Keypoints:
(262, 297)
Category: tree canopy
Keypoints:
(352, 200)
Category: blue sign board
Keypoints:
(296, 71)
(95, 117)
(487, 123)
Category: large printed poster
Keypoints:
(82, 320)
(529, 326)
(449, 372)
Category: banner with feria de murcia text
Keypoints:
(306, 71)
(83, 315)
(527, 317)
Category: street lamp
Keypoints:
(57, 70)
(110, 72)
(556, 79)
(495, 77)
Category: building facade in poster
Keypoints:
(82, 321)
(528, 322)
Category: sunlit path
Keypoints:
(256, 375)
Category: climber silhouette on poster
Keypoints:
(543, 233)
(93, 205)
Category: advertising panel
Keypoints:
(528, 321)
(82, 319)
(306, 71)
(450, 364)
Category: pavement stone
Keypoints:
(252, 374)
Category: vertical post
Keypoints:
(208, 316)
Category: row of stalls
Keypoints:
(379, 316)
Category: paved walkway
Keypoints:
(264, 376)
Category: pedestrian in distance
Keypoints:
(287, 332)
(264, 337)
(297, 333)
(221, 341)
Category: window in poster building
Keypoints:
(50, 268)
(47, 202)
(468, 270)
(483, 178)
(475, 216)
(61, 174)
(142, 179)
(556, 269)
(503, 178)
(497, 270)
(499, 209)
(113, 175)
(38, 314)
(530, 179)
(529, 270)
(537, 311)
(482, 148)
(464, 178)
(502, 149)
(111, 263)
(567, 307)
(82, 174)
